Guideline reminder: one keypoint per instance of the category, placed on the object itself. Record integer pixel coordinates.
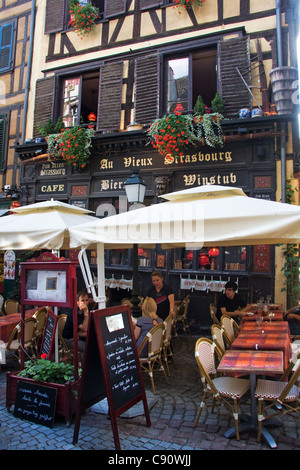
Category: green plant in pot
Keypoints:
(43, 370)
(208, 125)
(83, 16)
(50, 127)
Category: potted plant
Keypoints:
(207, 124)
(50, 127)
(73, 145)
(188, 4)
(44, 372)
(83, 16)
(172, 133)
(218, 104)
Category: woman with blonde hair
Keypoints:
(146, 322)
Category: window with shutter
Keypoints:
(110, 99)
(115, 7)
(146, 89)
(55, 15)
(188, 75)
(234, 56)
(44, 102)
(3, 122)
(6, 46)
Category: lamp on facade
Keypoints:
(213, 252)
(135, 189)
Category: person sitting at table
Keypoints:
(292, 316)
(230, 303)
(146, 322)
(162, 294)
(82, 325)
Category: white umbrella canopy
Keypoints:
(44, 225)
(204, 216)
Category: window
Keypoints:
(6, 46)
(190, 75)
(80, 98)
(233, 258)
(3, 121)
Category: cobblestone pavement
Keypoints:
(172, 420)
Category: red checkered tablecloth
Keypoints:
(265, 340)
(260, 362)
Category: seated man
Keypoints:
(82, 319)
(231, 303)
(293, 317)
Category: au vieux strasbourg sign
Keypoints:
(199, 167)
(196, 168)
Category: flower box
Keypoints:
(66, 398)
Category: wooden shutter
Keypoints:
(3, 122)
(55, 16)
(6, 44)
(146, 89)
(144, 4)
(114, 7)
(110, 96)
(44, 101)
(235, 54)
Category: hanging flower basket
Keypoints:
(173, 133)
(187, 4)
(83, 16)
(73, 145)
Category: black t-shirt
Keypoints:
(162, 300)
(230, 304)
(68, 328)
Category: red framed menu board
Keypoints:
(48, 280)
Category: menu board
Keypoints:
(49, 334)
(48, 280)
(46, 285)
(111, 367)
(35, 403)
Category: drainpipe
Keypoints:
(29, 65)
(282, 125)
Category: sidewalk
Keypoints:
(172, 411)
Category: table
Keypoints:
(7, 324)
(277, 316)
(262, 339)
(266, 326)
(252, 363)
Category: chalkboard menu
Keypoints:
(111, 367)
(49, 334)
(35, 403)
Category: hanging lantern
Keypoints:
(214, 252)
(190, 255)
(203, 259)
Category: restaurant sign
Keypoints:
(48, 188)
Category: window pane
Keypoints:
(178, 81)
(71, 101)
(235, 258)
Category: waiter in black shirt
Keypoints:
(231, 303)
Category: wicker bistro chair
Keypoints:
(216, 388)
(213, 314)
(219, 337)
(181, 317)
(1, 305)
(14, 343)
(230, 327)
(11, 306)
(154, 338)
(278, 397)
(167, 350)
